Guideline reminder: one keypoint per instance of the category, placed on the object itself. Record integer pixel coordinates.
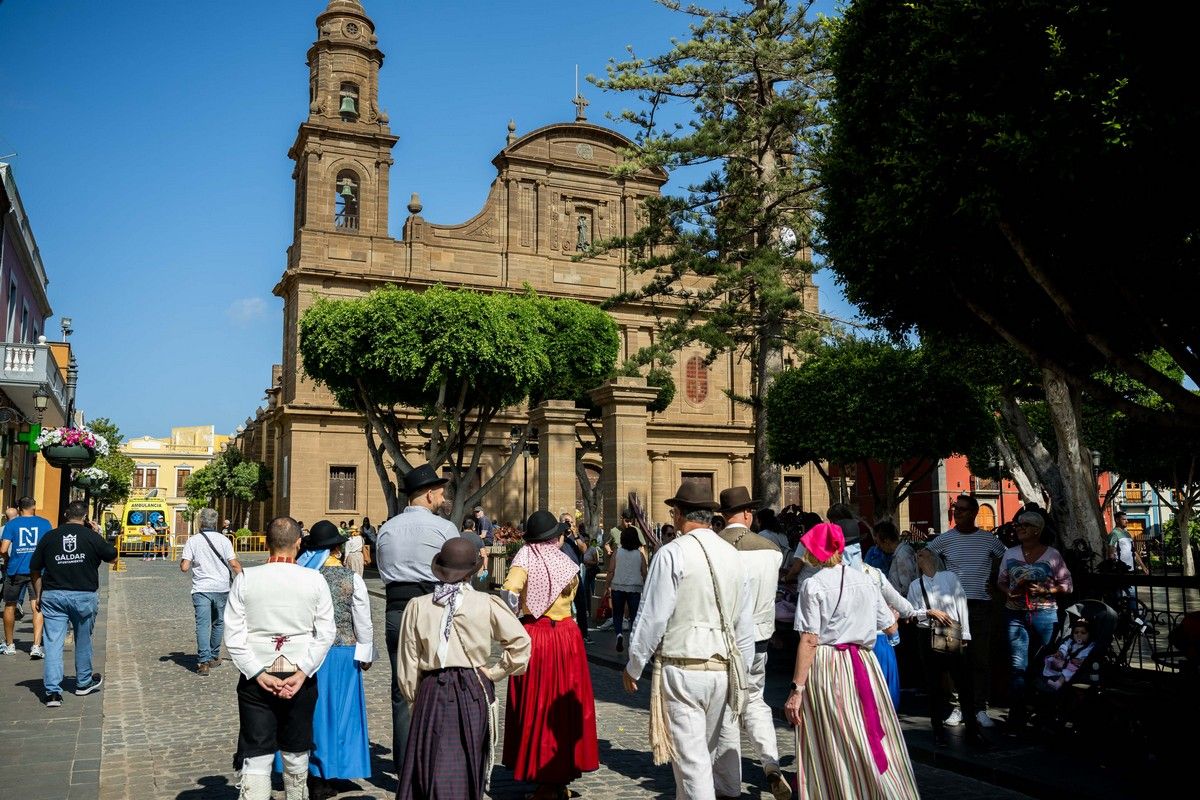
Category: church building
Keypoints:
(554, 193)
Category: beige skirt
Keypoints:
(833, 754)
(355, 562)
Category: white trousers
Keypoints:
(757, 721)
(708, 759)
(261, 765)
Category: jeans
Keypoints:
(619, 601)
(1028, 633)
(60, 607)
(210, 623)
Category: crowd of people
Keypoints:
(696, 606)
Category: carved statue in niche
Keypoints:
(583, 239)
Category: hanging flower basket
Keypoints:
(69, 456)
(71, 448)
(91, 479)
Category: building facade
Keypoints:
(553, 194)
(30, 365)
(162, 466)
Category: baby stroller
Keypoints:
(1070, 707)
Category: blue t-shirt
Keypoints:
(23, 534)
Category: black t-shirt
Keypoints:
(69, 558)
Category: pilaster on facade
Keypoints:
(623, 402)
(556, 421)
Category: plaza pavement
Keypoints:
(169, 733)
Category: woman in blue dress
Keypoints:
(341, 749)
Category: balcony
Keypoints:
(26, 367)
(347, 222)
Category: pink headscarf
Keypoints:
(549, 571)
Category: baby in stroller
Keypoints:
(1062, 664)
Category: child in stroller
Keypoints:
(1074, 661)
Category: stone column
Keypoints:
(660, 484)
(741, 469)
(626, 466)
(555, 421)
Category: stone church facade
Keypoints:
(553, 193)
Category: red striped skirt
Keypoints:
(550, 718)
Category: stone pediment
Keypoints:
(573, 146)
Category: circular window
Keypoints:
(696, 380)
(352, 29)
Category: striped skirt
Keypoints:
(446, 758)
(833, 752)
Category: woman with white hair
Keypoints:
(1032, 576)
(848, 739)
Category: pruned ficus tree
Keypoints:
(725, 264)
(983, 157)
(230, 476)
(444, 363)
(865, 400)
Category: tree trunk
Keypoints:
(1016, 470)
(593, 498)
(1183, 518)
(1081, 519)
(390, 493)
(768, 362)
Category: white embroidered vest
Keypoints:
(280, 601)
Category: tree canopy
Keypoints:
(118, 466)
(457, 358)
(985, 154)
(726, 262)
(230, 476)
(870, 400)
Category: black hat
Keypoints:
(324, 536)
(458, 560)
(542, 526)
(692, 496)
(737, 499)
(422, 477)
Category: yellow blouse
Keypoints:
(561, 608)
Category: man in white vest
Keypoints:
(278, 628)
(695, 629)
(761, 560)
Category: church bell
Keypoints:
(349, 107)
(347, 191)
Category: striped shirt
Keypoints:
(970, 557)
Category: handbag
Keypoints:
(604, 610)
(945, 639)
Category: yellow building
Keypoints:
(163, 465)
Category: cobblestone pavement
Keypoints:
(169, 733)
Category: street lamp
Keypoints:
(998, 464)
(41, 399)
(1096, 463)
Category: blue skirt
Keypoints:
(340, 745)
(886, 657)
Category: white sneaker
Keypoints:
(984, 720)
(955, 718)
(8, 649)
(606, 625)
(37, 652)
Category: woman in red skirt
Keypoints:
(550, 721)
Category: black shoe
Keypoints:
(588, 640)
(94, 686)
(620, 644)
(53, 699)
(940, 738)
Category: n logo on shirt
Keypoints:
(27, 537)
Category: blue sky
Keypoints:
(152, 136)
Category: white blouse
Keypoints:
(945, 594)
(854, 619)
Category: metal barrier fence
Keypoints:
(1149, 608)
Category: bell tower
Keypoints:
(343, 150)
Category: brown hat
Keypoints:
(458, 560)
(737, 499)
(692, 495)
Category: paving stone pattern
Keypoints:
(169, 733)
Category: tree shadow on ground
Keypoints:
(188, 661)
(211, 787)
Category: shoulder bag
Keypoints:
(736, 668)
(942, 638)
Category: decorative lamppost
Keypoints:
(41, 400)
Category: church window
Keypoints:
(346, 201)
(987, 518)
(348, 106)
(696, 380)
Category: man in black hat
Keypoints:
(761, 559)
(405, 549)
(696, 631)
